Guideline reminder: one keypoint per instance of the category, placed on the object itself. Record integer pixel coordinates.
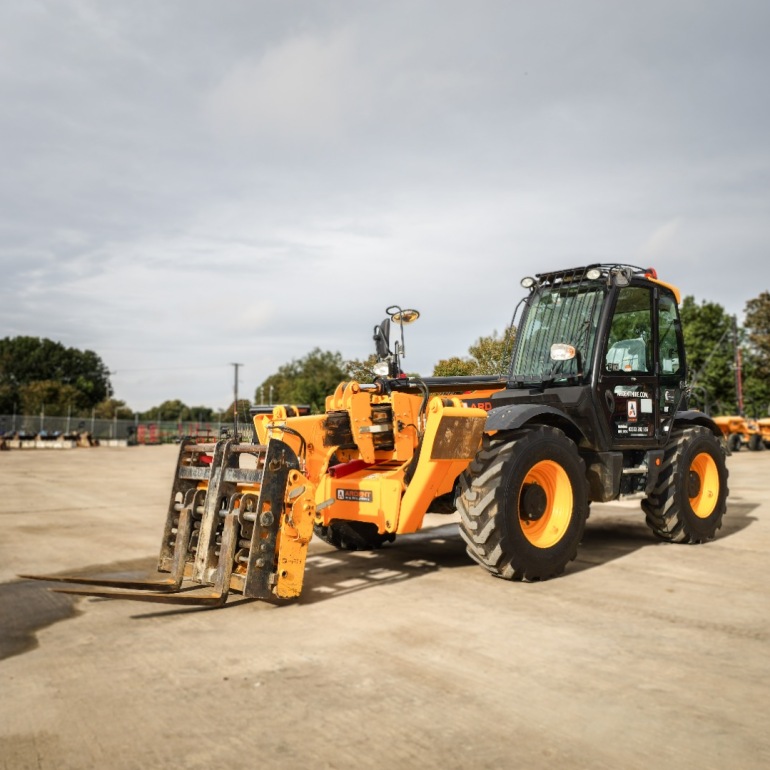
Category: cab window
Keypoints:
(668, 336)
(629, 345)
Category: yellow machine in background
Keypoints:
(740, 432)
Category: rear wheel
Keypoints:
(755, 442)
(353, 535)
(690, 496)
(524, 504)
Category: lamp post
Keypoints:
(235, 403)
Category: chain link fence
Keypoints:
(43, 428)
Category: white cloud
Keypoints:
(305, 88)
(662, 241)
(188, 184)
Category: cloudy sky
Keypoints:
(188, 184)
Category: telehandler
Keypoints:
(593, 408)
(739, 431)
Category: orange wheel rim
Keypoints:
(705, 501)
(554, 482)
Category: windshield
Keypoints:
(564, 314)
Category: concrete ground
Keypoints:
(643, 655)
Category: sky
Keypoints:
(186, 185)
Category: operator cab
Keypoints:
(613, 328)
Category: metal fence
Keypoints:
(132, 431)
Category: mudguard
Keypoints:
(694, 417)
(514, 416)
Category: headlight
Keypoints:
(381, 369)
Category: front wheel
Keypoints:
(690, 495)
(524, 504)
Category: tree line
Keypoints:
(40, 373)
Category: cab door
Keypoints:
(628, 382)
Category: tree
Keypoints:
(27, 360)
(176, 410)
(51, 397)
(243, 411)
(757, 355)
(200, 414)
(172, 409)
(361, 371)
(757, 324)
(488, 355)
(111, 408)
(307, 380)
(708, 338)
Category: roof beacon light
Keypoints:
(403, 316)
(651, 272)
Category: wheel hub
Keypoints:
(533, 503)
(693, 484)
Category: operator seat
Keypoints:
(627, 356)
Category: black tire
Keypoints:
(353, 535)
(690, 496)
(734, 442)
(524, 504)
(755, 443)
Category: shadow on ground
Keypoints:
(611, 533)
(25, 608)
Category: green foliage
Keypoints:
(708, 339)
(488, 355)
(50, 396)
(172, 409)
(37, 373)
(243, 411)
(200, 414)
(361, 371)
(308, 380)
(455, 367)
(756, 359)
(176, 410)
(757, 324)
(111, 408)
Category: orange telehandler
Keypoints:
(739, 432)
(593, 408)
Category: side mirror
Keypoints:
(562, 352)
